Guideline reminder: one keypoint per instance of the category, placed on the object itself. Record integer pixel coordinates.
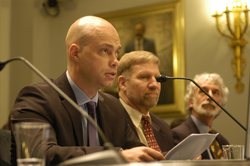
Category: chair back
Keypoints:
(5, 143)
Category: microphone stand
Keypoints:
(163, 78)
(107, 145)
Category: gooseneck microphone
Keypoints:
(162, 78)
(107, 145)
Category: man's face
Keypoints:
(142, 89)
(202, 104)
(98, 58)
(139, 31)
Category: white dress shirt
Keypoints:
(136, 118)
(82, 100)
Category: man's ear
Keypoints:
(191, 103)
(73, 52)
(223, 105)
(121, 80)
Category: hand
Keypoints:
(199, 158)
(142, 153)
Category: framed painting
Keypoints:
(164, 25)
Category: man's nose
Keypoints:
(153, 82)
(114, 61)
(210, 93)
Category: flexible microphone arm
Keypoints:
(107, 145)
(162, 78)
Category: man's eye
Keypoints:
(117, 54)
(217, 93)
(202, 92)
(144, 77)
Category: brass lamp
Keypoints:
(237, 30)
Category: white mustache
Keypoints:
(208, 102)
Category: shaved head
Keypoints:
(84, 30)
(81, 30)
(92, 45)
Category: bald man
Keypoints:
(92, 46)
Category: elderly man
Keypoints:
(139, 91)
(92, 45)
(203, 111)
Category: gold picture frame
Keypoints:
(165, 25)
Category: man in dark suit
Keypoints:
(139, 91)
(92, 46)
(203, 110)
(140, 42)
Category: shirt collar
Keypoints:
(141, 40)
(81, 97)
(202, 127)
(135, 115)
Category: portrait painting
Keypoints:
(163, 25)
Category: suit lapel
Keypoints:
(156, 130)
(75, 115)
(191, 126)
(131, 124)
(145, 46)
(157, 133)
(194, 129)
(104, 119)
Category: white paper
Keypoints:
(191, 147)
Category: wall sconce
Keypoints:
(237, 30)
(51, 7)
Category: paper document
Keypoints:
(191, 147)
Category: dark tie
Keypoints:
(215, 147)
(91, 129)
(148, 131)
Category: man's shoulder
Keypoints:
(180, 127)
(160, 122)
(107, 96)
(129, 47)
(222, 139)
(42, 88)
(185, 126)
(157, 119)
(149, 40)
(44, 85)
(36, 86)
(108, 99)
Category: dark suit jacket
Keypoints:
(39, 102)
(5, 136)
(161, 129)
(148, 45)
(188, 127)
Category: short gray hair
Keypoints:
(212, 78)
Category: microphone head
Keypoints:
(161, 78)
(2, 64)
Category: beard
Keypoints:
(146, 101)
(206, 111)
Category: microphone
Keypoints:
(162, 78)
(2, 64)
(110, 156)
